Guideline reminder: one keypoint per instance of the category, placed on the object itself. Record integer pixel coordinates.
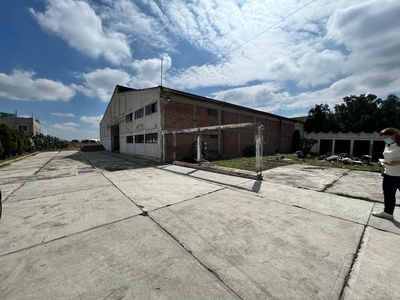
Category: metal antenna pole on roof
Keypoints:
(161, 69)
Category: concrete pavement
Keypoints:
(109, 226)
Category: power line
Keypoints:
(241, 45)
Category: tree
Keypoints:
(358, 113)
(389, 113)
(8, 140)
(48, 142)
(296, 141)
(306, 145)
(13, 142)
(318, 119)
(1, 149)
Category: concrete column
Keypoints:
(199, 148)
(351, 146)
(333, 146)
(371, 147)
(219, 131)
(319, 146)
(162, 145)
(259, 151)
(174, 145)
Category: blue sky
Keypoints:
(62, 59)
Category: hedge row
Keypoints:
(48, 142)
(15, 142)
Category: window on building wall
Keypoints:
(151, 138)
(152, 108)
(129, 139)
(129, 117)
(213, 136)
(139, 113)
(212, 112)
(23, 127)
(139, 138)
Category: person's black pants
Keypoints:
(390, 185)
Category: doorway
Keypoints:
(115, 138)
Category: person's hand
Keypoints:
(391, 163)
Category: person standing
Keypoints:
(390, 171)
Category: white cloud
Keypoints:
(124, 16)
(77, 23)
(328, 53)
(21, 85)
(94, 120)
(69, 115)
(148, 71)
(320, 54)
(65, 126)
(101, 82)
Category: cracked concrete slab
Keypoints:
(55, 186)
(303, 176)
(8, 189)
(132, 259)
(160, 188)
(375, 274)
(16, 176)
(359, 184)
(205, 175)
(264, 240)
(264, 249)
(353, 210)
(31, 222)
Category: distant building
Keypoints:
(30, 126)
(136, 120)
(357, 144)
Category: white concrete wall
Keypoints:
(106, 142)
(123, 104)
(362, 136)
(122, 144)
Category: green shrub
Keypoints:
(48, 142)
(8, 139)
(249, 151)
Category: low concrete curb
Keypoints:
(221, 170)
(18, 158)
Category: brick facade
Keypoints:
(185, 114)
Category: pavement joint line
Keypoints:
(52, 195)
(46, 163)
(329, 185)
(214, 273)
(138, 206)
(69, 235)
(308, 209)
(186, 200)
(13, 192)
(80, 152)
(10, 161)
(30, 178)
(211, 181)
(355, 256)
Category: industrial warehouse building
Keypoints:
(138, 122)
